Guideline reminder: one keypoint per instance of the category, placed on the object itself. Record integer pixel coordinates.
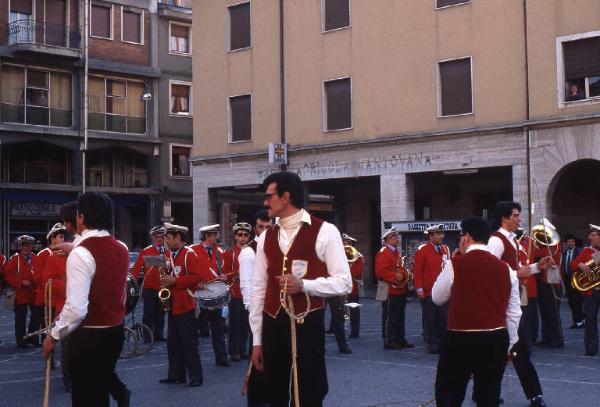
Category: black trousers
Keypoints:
(534, 319)
(522, 362)
(575, 301)
(37, 322)
(217, 332)
(435, 321)
(258, 389)
(65, 350)
(239, 327)
(276, 347)
(92, 359)
(590, 308)
(182, 348)
(21, 321)
(394, 324)
(549, 315)
(154, 316)
(336, 304)
(462, 354)
(354, 317)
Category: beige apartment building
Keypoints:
(399, 112)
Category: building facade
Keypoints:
(400, 112)
(47, 159)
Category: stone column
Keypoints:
(397, 198)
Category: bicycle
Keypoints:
(139, 339)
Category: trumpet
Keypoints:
(164, 294)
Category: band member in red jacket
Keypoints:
(388, 270)
(2, 263)
(209, 251)
(356, 270)
(427, 267)
(238, 316)
(591, 298)
(154, 315)
(186, 272)
(19, 275)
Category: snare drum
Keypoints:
(213, 295)
(133, 294)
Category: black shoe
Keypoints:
(223, 363)
(329, 332)
(406, 344)
(235, 358)
(434, 351)
(393, 346)
(590, 353)
(195, 383)
(124, 401)
(170, 380)
(346, 350)
(580, 324)
(537, 401)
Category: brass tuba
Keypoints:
(351, 254)
(544, 236)
(582, 281)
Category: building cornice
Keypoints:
(535, 124)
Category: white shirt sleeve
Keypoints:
(330, 250)
(495, 246)
(513, 312)
(259, 288)
(442, 288)
(81, 268)
(246, 261)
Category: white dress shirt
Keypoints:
(329, 249)
(246, 262)
(496, 247)
(442, 288)
(81, 269)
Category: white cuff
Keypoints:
(257, 340)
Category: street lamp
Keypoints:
(146, 95)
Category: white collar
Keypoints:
(477, 246)
(304, 217)
(90, 233)
(509, 235)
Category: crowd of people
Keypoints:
(481, 305)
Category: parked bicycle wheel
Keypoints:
(145, 339)
(130, 344)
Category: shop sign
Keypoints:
(34, 210)
(278, 153)
(420, 226)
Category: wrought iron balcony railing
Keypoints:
(43, 33)
(177, 3)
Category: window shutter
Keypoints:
(101, 21)
(132, 27)
(239, 20)
(455, 78)
(337, 14)
(444, 3)
(241, 118)
(339, 104)
(582, 58)
(180, 90)
(179, 31)
(21, 6)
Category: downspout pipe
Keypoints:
(526, 130)
(283, 167)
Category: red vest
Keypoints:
(480, 292)
(510, 255)
(39, 265)
(303, 248)
(231, 268)
(107, 292)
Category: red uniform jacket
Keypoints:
(2, 262)
(214, 262)
(231, 269)
(584, 256)
(16, 271)
(39, 264)
(526, 258)
(56, 270)
(428, 266)
(356, 271)
(555, 252)
(189, 270)
(151, 275)
(387, 263)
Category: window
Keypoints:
(101, 25)
(21, 28)
(180, 99)
(447, 3)
(99, 169)
(239, 26)
(338, 104)
(116, 105)
(40, 163)
(582, 69)
(240, 118)
(337, 14)
(455, 87)
(32, 96)
(180, 161)
(179, 42)
(119, 170)
(132, 27)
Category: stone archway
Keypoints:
(574, 196)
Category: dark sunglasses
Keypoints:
(242, 234)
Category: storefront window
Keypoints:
(37, 164)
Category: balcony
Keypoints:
(176, 3)
(174, 8)
(29, 36)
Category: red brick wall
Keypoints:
(116, 50)
(74, 14)
(3, 22)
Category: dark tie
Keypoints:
(438, 248)
(209, 250)
(569, 255)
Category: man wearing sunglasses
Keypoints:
(238, 316)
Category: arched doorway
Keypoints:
(575, 197)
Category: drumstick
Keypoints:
(49, 360)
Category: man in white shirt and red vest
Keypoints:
(390, 272)
(95, 307)
(591, 298)
(208, 250)
(154, 315)
(238, 316)
(356, 270)
(483, 319)
(504, 245)
(185, 272)
(302, 259)
(427, 267)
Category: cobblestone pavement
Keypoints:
(370, 376)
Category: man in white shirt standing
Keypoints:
(303, 258)
(95, 307)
